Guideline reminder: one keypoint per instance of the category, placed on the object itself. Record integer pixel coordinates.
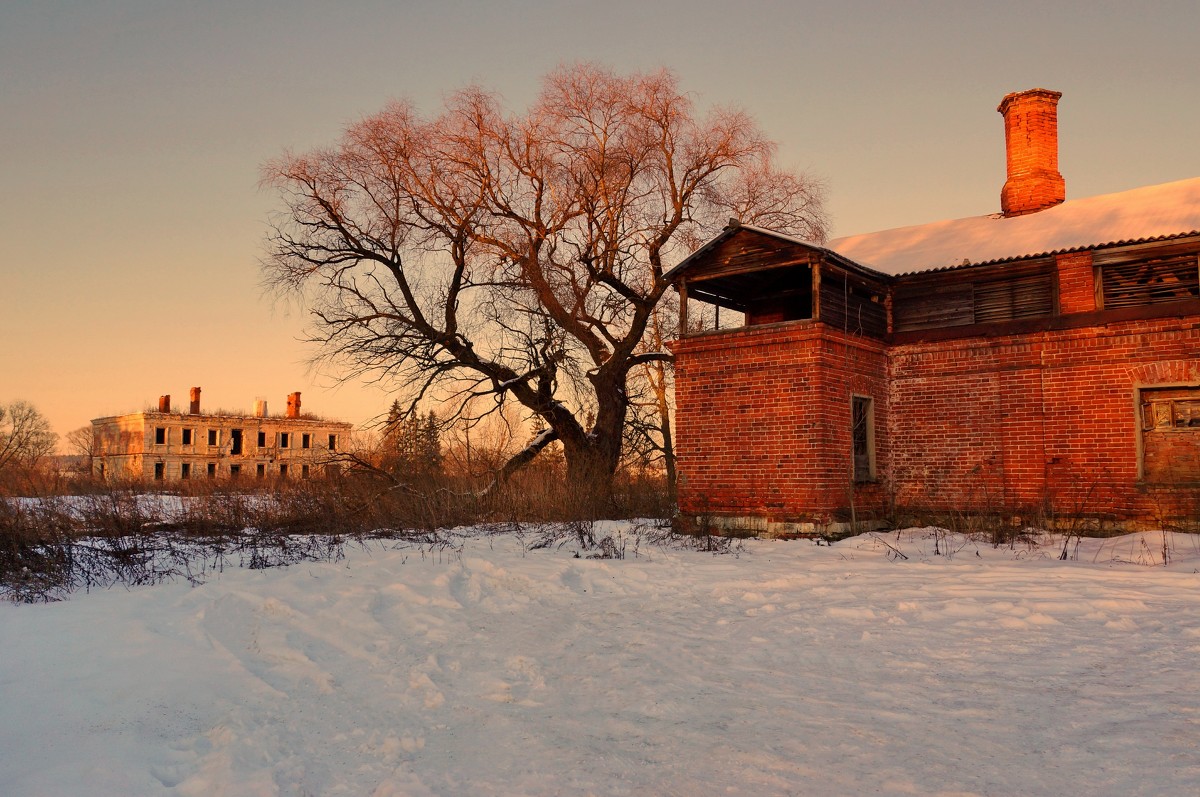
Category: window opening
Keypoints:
(260, 470)
(187, 437)
(306, 441)
(160, 471)
(185, 471)
(1170, 421)
(1157, 281)
(235, 438)
(333, 442)
(213, 437)
(212, 470)
(235, 471)
(262, 439)
(863, 438)
(283, 471)
(160, 436)
(285, 440)
(303, 471)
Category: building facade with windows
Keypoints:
(1040, 362)
(172, 446)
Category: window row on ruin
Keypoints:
(235, 440)
(213, 470)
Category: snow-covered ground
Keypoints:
(788, 668)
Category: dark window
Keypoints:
(863, 438)
(333, 442)
(235, 439)
(213, 437)
(160, 471)
(285, 440)
(262, 439)
(212, 470)
(185, 471)
(306, 441)
(260, 470)
(283, 471)
(187, 437)
(235, 471)
(303, 471)
(1157, 281)
(160, 436)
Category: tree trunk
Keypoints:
(593, 458)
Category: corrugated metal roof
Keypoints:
(1143, 214)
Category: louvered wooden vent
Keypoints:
(1142, 282)
(1027, 293)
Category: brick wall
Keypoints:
(764, 421)
(1032, 420)
(1044, 420)
(1076, 283)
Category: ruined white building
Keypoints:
(172, 446)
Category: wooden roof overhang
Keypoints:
(744, 265)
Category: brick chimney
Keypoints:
(293, 407)
(195, 408)
(164, 403)
(1031, 142)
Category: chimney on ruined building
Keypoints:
(260, 408)
(1031, 143)
(164, 403)
(293, 406)
(195, 408)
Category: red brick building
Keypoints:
(1040, 361)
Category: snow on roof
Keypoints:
(1157, 211)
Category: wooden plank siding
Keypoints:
(1004, 292)
(852, 304)
(773, 280)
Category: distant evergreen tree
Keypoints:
(412, 444)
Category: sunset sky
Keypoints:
(133, 131)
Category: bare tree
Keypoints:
(520, 256)
(82, 443)
(25, 435)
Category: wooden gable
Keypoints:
(773, 278)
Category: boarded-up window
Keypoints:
(1171, 434)
(1002, 293)
(1156, 281)
(1027, 297)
